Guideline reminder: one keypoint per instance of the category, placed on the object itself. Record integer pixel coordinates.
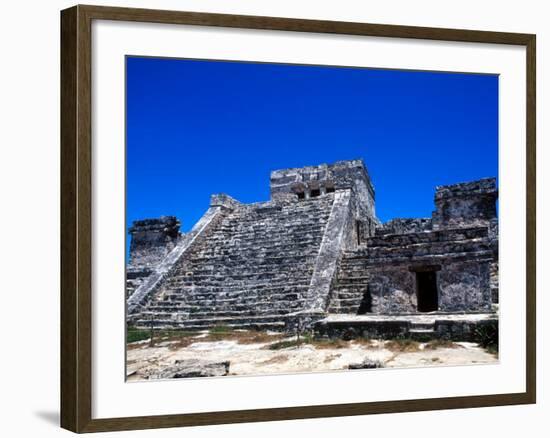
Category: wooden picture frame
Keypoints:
(76, 218)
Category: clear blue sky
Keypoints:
(200, 127)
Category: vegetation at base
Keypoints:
(402, 345)
(135, 335)
(284, 344)
(423, 338)
(328, 343)
(170, 334)
(487, 336)
(220, 329)
(440, 343)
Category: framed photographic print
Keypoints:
(270, 218)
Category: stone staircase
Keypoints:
(422, 330)
(249, 271)
(351, 285)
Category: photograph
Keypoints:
(292, 218)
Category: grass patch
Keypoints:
(328, 343)
(440, 343)
(402, 345)
(135, 335)
(369, 343)
(319, 343)
(284, 344)
(243, 336)
(221, 329)
(184, 341)
(168, 335)
(181, 339)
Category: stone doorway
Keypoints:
(366, 304)
(426, 291)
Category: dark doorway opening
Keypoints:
(366, 304)
(315, 193)
(426, 291)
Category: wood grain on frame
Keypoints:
(76, 238)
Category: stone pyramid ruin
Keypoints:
(315, 254)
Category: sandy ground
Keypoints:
(256, 358)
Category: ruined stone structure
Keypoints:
(316, 255)
(152, 240)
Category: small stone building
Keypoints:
(316, 254)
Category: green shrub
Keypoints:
(487, 336)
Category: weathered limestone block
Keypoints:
(152, 240)
(404, 226)
(354, 329)
(191, 368)
(223, 200)
(464, 286)
(366, 364)
(393, 290)
(311, 181)
(465, 204)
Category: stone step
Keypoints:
(277, 265)
(421, 331)
(348, 301)
(256, 243)
(244, 299)
(343, 310)
(215, 313)
(252, 268)
(351, 281)
(422, 326)
(345, 294)
(267, 322)
(219, 274)
(237, 287)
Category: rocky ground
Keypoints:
(239, 352)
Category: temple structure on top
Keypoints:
(315, 255)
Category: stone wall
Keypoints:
(459, 245)
(460, 260)
(152, 240)
(310, 181)
(400, 327)
(465, 204)
(404, 226)
(464, 285)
